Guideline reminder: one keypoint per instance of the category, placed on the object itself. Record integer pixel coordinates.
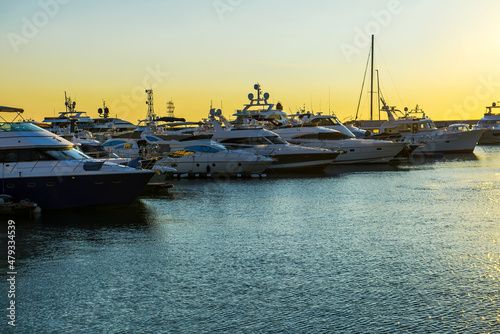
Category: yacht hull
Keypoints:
(214, 166)
(313, 162)
(292, 158)
(445, 142)
(359, 151)
(490, 137)
(72, 191)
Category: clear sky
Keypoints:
(443, 55)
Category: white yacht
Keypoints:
(94, 149)
(129, 145)
(327, 131)
(415, 127)
(195, 155)
(287, 157)
(319, 131)
(354, 151)
(103, 127)
(44, 168)
(69, 121)
(490, 123)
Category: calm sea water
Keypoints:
(414, 249)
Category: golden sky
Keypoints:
(442, 55)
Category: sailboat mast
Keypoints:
(378, 95)
(371, 86)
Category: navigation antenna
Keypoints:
(151, 113)
(70, 106)
(104, 111)
(170, 108)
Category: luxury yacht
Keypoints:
(415, 127)
(44, 168)
(354, 151)
(319, 131)
(287, 157)
(102, 128)
(490, 123)
(195, 155)
(69, 121)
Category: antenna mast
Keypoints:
(170, 108)
(70, 105)
(151, 113)
(371, 86)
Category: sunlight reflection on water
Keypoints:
(410, 250)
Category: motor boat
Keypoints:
(287, 157)
(490, 124)
(195, 155)
(318, 131)
(417, 128)
(94, 149)
(457, 127)
(46, 169)
(354, 150)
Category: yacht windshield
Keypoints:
(218, 146)
(321, 121)
(276, 140)
(7, 127)
(67, 154)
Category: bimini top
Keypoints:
(11, 109)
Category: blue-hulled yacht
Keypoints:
(44, 168)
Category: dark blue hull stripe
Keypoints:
(58, 192)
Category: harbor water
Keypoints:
(407, 249)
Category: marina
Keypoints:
(253, 166)
(383, 248)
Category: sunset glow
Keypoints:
(441, 55)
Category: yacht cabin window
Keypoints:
(203, 149)
(113, 143)
(323, 136)
(325, 121)
(489, 121)
(40, 154)
(255, 140)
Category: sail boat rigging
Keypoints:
(370, 61)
